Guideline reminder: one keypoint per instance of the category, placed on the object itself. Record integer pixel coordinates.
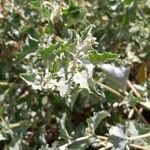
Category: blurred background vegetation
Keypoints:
(35, 33)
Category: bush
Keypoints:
(74, 74)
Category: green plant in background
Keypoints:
(74, 57)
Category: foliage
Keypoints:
(65, 71)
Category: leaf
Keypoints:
(56, 66)
(81, 79)
(132, 130)
(47, 52)
(63, 131)
(93, 122)
(3, 136)
(118, 76)
(88, 68)
(73, 97)
(96, 57)
(72, 35)
(142, 73)
(117, 137)
(73, 14)
(28, 77)
(36, 4)
(15, 144)
(2, 110)
(31, 46)
(128, 2)
(62, 87)
(133, 100)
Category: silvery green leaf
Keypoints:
(72, 35)
(63, 131)
(15, 144)
(3, 136)
(38, 82)
(62, 87)
(88, 68)
(118, 137)
(120, 73)
(81, 79)
(117, 75)
(30, 80)
(132, 131)
(93, 122)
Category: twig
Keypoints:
(107, 146)
(63, 147)
(136, 93)
(122, 96)
(139, 147)
(7, 84)
(15, 125)
(129, 138)
(139, 136)
(133, 89)
(102, 137)
(139, 96)
(110, 89)
(141, 117)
